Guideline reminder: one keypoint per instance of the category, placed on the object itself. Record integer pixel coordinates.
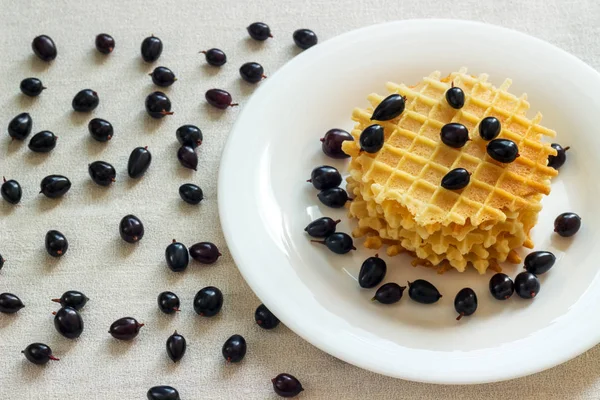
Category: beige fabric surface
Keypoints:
(123, 280)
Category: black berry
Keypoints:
(501, 286)
(158, 105)
(56, 243)
(334, 197)
(176, 346)
(455, 97)
(32, 87)
(234, 349)
(20, 126)
(187, 157)
(559, 159)
(322, 227)
(456, 179)
(389, 293)
(389, 108)
(252, 72)
(189, 135)
(527, 285)
(54, 186)
(102, 173)
(190, 193)
(105, 43)
(68, 322)
(139, 161)
(371, 139)
(215, 57)
(259, 31)
(205, 253)
(539, 262)
(219, 98)
(10, 304)
(85, 101)
(163, 393)
(151, 49)
(465, 303)
(305, 38)
(423, 292)
(325, 177)
(42, 142)
(177, 256)
(503, 150)
(163, 76)
(131, 229)
(339, 242)
(11, 192)
(265, 318)
(73, 299)
(372, 272)
(100, 129)
(168, 302)
(208, 301)
(286, 385)
(43, 47)
(489, 128)
(39, 353)
(454, 135)
(331, 143)
(567, 224)
(126, 328)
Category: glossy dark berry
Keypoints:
(126, 328)
(163, 76)
(501, 286)
(215, 57)
(465, 303)
(158, 105)
(11, 191)
(68, 322)
(10, 304)
(168, 302)
(325, 177)
(339, 242)
(527, 285)
(190, 193)
(54, 186)
(131, 229)
(42, 142)
(187, 157)
(208, 301)
(139, 161)
(372, 272)
(189, 135)
(176, 346)
(100, 129)
(559, 159)
(567, 224)
(163, 393)
(177, 256)
(539, 262)
(32, 87)
(234, 349)
(321, 227)
(43, 47)
(102, 173)
(331, 143)
(371, 139)
(56, 243)
(259, 31)
(455, 97)
(389, 108)
(105, 43)
(2, 261)
(454, 135)
(389, 293)
(205, 252)
(489, 128)
(73, 299)
(503, 150)
(151, 49)
(334, 197)
(265, 318)
(39, 353)
(305, 38)
(20, 126)
(219, 98)
(286, 385)
(456, 179)
(252, 72)
(85, 101)
(423, 292)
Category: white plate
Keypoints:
(265, 204)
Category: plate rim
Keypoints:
(305, 333)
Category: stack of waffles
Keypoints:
(398, 199)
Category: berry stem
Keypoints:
(318, 241)
(53, 358)
(55, 300)
(462, 314)
(233, 105)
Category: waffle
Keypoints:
(398, 197)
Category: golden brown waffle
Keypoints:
(399, 201)
(413, 160)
